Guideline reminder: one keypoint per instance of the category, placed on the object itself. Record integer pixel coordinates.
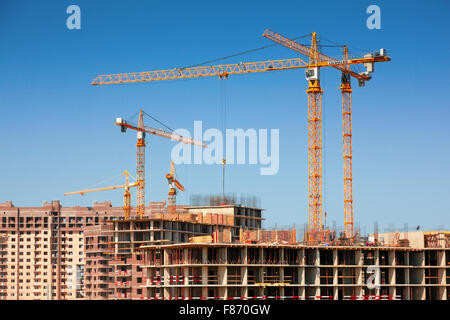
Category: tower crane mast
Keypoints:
(346, 91)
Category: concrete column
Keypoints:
(316, 292)
(261, 254)
(377, 291)
(358, 258)
(165, 257)
(391, 258)
(244, 292)
(166, 291)
(244, 275)
(421, 294)
(116, 238)
(442, 293)
(392, 291)
(376, 256)
(131, 236)
(222, 273)
(244, 255)
(441, 276)
(244, 281)
(358, 275)
(204, 255)
(392, 276)
(301, 275)
(185, 255)
(417, 275)
(225, 255)
(204, 281)
(223, 292)
(358, 291)
(186, 280)
(260, 291)
(204, 275)
(301, 292)
(204, 291)
(301, 255)
(335, 293)
(335, 275)
(441, 258)
(317, 273)
(392, 280)
(317, 276)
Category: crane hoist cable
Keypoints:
(223, 83)
(240, 53)
(324, 153)
(105, 180)
(161, 123)
(134, 116)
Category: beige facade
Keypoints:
(44, 254)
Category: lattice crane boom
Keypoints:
(159, 132)
(82, 192)
(224, 70)
(126, 196)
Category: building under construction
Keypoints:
(205, 252)
(218, 249)
(232, 257)
(288, 271)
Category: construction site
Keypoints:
(216, 247)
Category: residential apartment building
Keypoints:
(43, 256)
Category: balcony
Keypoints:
(122, 284)
(123, 273)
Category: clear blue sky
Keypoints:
(58, 134)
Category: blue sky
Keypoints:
(58, 133)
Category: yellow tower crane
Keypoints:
(174, 184)
(140, 146)
(316, 61)
(126, 195)
(314, 124)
